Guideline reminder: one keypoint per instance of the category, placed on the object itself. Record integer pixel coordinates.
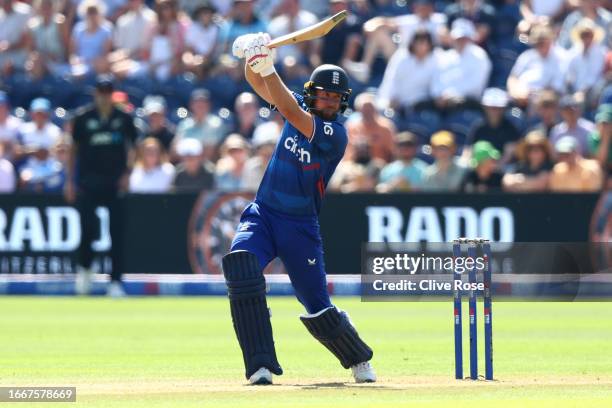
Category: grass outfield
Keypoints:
(181, 352)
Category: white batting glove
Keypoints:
(240, 43)
(259, 57)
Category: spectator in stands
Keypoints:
(547, 111)
(586, 59)
(201, 39)
(61, 150)
(91, 40)
(255, 167)
(377, 131)
(540, 67)
(243, 20)
(592, 9)
(600, 141)
(291, 17)
(231, 165)
(14, 16)
(246, 109)
(343, 43)
(7, 174)
(532, 171)
(446, 173)
(130, 39)
(573, 124)
(49, 39)
(114, 8)
(358, 170)
(40, 131)
(157, 125)
(193, 174)
(202, 125)
(41, 172)
(152, 172)
(535, 10)
(379, 32)
(273, 126)
(406, 172)
(495, 128)
(482, 15)
(463, 71)
(574, 173)
(419, 58)
(167, 42)
(122, 101)
(9, 127)
(485, 175)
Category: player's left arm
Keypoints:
(261, 61)
(288, 106)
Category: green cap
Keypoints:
(482, 151)
(604, 113)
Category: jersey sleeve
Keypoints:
(329, 136)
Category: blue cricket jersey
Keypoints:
(296, 177)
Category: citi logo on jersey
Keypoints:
(302, 154)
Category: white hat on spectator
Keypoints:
(266, 133)
(462, 28)
(495, 98)
(567, 144)
(189, 147)
(154, 104)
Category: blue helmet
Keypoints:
(330, 78)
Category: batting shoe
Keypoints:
(263, 376)
(82, 280)
(363, 372)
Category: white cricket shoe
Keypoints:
(363, 372)
(82, 280)
(263, 376)
(115, 290)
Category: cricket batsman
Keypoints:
(283, 220)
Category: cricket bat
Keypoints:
(305, 34)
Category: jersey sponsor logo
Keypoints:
(291, 144)
(103, 138)
(328, 129)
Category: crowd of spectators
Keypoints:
(448, 96)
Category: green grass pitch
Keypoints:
(181, 352)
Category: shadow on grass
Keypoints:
(343, 385)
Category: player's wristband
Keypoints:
(267, 71)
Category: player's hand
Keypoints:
(240, 43)
(259, 57)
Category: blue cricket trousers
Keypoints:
(296, 240)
